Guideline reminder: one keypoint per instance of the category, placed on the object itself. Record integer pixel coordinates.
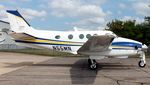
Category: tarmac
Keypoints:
(25, 69)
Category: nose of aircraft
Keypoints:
(144, 47)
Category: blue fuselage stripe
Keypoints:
(127, 44)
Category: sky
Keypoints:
(83, 14)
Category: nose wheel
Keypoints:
(92, 64)
(141, 64)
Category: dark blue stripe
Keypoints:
(15, 12)
(45, 43)
(127, 44)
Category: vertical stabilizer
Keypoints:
(17, 22)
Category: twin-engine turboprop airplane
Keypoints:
(95, 44)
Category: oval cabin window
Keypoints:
(88, 36)
(81, 36)
(70, 36)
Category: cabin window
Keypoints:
(70, 36)
(81, 36)
(57, 36)
(88, 36)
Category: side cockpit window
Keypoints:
(57, 36)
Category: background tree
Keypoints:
(130, 29)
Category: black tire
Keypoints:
(93, 67)
(94, 61)
(141, 64)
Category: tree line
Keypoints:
(131, 29)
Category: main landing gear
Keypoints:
(142, 62)
(92, 64)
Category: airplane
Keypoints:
(94, 44)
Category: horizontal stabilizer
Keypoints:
(21, 36)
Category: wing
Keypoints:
(97, 44)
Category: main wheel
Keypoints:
(141, 64)
(92, 64)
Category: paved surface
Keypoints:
(68, 71)
(13, 61)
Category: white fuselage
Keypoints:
(71, 41)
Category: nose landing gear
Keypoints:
(142, 62)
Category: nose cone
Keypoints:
(144, 47)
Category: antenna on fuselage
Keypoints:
(75, 28)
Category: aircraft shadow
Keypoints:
(82, 74)
(79, 71)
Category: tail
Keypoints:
(17, 23)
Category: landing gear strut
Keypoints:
(92, 64)
(142, 62)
